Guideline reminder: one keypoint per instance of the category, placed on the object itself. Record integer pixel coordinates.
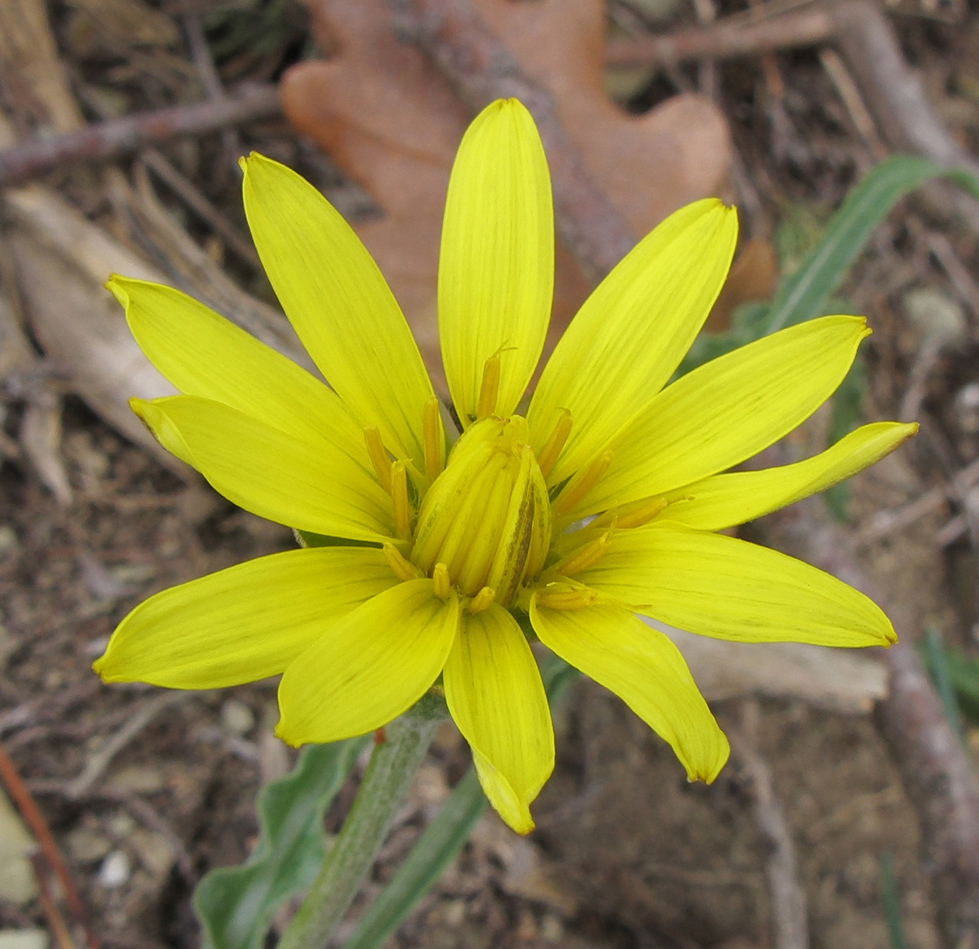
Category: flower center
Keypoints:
(485, 523)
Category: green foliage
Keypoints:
(236, 905)
(956, 678)
(442, 840)
(891, 900)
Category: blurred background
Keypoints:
(121, 122)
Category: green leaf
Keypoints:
(956, 678)
(891, 900)
(442, 840)
(236, 905)
(802, 295)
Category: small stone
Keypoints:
(17, 882)
(551, 928)
(966, 403)
(137, 779)
(86, 844)
(155, 852)
(121, 825)
(24, 939)
(8, 545)
(454, 912)
(935, 315)
(237, 718)
(115, 870)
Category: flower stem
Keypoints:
(392, 768)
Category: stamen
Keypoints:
(379, 457)
(489, 389)
(431, 429)
(643, 514)
(403, 569)
(482, 600)
(563, 596)
(632, 515)
(581, 484)
(399, 494)
(584, 558)
(442, 586)
(550, 452)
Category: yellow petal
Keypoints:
(641, 666)
(340, 305)
(729, 589)
(725, 500)
(633, 331)
(369, 667)
(244, 623)
(496, 697)
(496, 264)
(203, 354)
(306, 483)
(728, 410)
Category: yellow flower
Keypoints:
(598, 503)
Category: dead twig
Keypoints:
(936, 772)
(27, 807)
(786, 897)
(481, 69)
(724, 40)
(110, 139)
(49, 906)
(143, 716)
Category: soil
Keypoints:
(627, 854)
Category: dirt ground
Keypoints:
(626, 853)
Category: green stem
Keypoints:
(387, 779)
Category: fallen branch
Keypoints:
(24, 801)
(935, 770)
(105, 140)
(482, 69)
(726, 39)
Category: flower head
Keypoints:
(600, 502)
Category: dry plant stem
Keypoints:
(937, 774)
(394, 762)
(116, 137)
(788, 900)
(724, 40)
(24, 801)
(482, 69)
(908, 121)
(49, 906)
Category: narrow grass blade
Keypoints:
(802, 295)
(442, 840)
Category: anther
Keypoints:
(403, 569)
(588, 555)
(399, 494)
(441, 585)
(561, 596)
(431, 430)
(549, 454)
(489, 388)
(379, 457)
(642, 514)
(581, 484)
(482, 600)
(634, 515)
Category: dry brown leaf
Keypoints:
(390, 121)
